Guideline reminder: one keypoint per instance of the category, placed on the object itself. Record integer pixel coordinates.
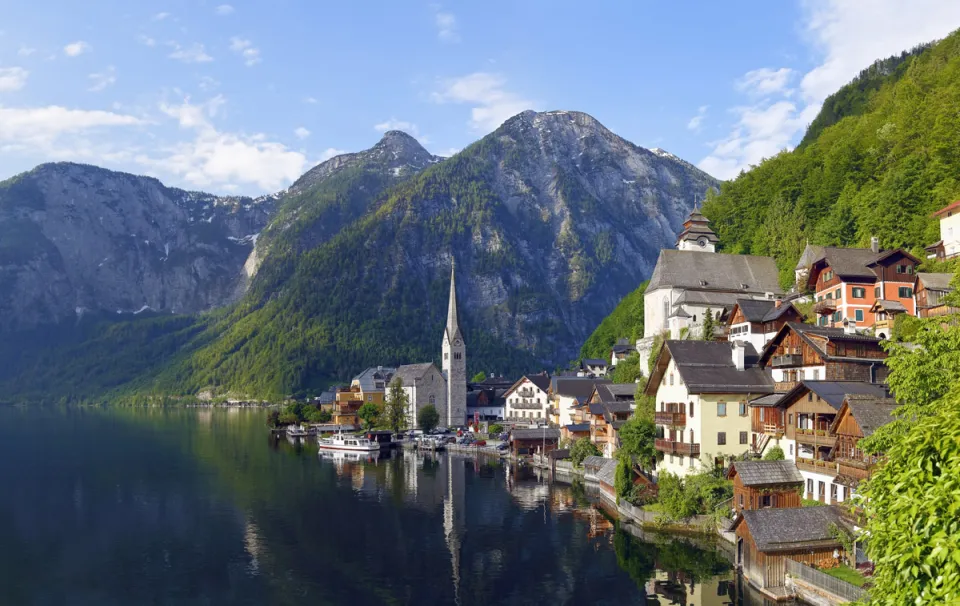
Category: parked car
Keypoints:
(480, 443)
(504, 436)
(450, 440)
(503, 447)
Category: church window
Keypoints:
(433, 400)
(446, 356)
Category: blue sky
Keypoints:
(243, 97)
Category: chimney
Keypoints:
(778, 303)
(739, 355)
(849, 326)
(875, 244)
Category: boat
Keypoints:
(431, 443)
(348, 442)
(299, 431)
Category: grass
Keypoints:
(845, 573)
(653, 507)
(811, 503)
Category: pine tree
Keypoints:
(708, 326)
(396, 406)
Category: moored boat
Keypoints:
(348, 442)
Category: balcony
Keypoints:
(817, 466)
(820, 437)
(786, 360)
(784, 386)
(677, 448)
(825, 307)
(773, 429)
(673, 419)
(854, 468)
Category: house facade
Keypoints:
(765, 484)
(757, 321)
(424, 384)
(605, 420)
(859, 417)
(566, 393)
(702, 390)
(528, 399)
(931, 289)
(948, 247)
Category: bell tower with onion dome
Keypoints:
(696, 234)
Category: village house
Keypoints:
(613, 392)
(528, 399)
(593, 367)
(756, 321)
(766, 538)
(948, 246)
(859, 416)
(566, 393)
(424, 384)
(534, 441)
(931, 288)
(605, 421)
(848, 281)
(373, 382)
(485, 404)
(763, 484)
(885, 316)
(579, 426)
(693, 279)
(702, 389)
(808, 412)
(621, 351)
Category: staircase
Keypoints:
(762, 443)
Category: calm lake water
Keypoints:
(154, 506)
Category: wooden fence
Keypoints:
(824, 581)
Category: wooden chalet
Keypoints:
(529, 441)
(764, 484)
(859, 416)
(606, 419)
(766, 538)
(885, 314)
(931, 289)
(758, 320)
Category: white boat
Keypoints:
(349, 443)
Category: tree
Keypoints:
(708, 326)
(637, 440)
(480, 377)
(395, 410)
(774, 454)
(495, 429)
(315, 415)
(288, 418)
(582, 449)
(428, 418)
(623, 480)
(369, 413)
(273, 418)
(626, 370)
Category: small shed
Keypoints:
(575, 431)
(766, 538)
(592, 464)
(529, 441)
(607, 477)
(763, 484)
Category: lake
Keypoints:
(198, 506)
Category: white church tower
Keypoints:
(454, 362)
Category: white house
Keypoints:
(757, 321)
(528, 400)
(424, 384)
(949, 245)
(702, 391)
(568, 392)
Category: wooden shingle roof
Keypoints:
(793, 528)
(766, 473)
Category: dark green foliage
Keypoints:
(626, 370)
(395, 406)
(774, 454)
(480, 377)
(273, 418)
(494, 429)
(708, 326)
(582, 449)
(623, 480)
(637, 439)
(625, 321)
(428, 418)
(878, 161)
(695, 494)
(369, 414)
(288, 418)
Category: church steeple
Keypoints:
(452, 332)
(454, 361)
(696, 234)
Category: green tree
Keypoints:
(637, 440)
(623, 480)
(708, 326)
(428, 418)
(369, 413)
(774, 454)
(495, 429)
(273, 418)
(395, 408)
(288, 418)
(480, 377)
(624, 322)
(626, 370)
(582, 449)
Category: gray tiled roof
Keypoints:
(593, 462)
(871, 412)
(409, 373)
(593, 362)
(810, 254)
(369, 378)
(762, 310)
(578, 427)
(768, 400)
(714, 271)
(580, 388)
(548, 433)
(616, 392)
(887, 305)
(764, 473)
(935, 281)
(602, 408)
(850, 262)
(834, 392)
(792, 528)
(707, 367)
(608, 472)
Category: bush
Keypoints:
(273, 418)
(582, 449)
(288, 418)
(428, 418)
(774, 454)
(700, 493)
(494, 429)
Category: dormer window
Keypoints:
(703, 282)
(743, 286)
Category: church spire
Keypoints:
(453, 318)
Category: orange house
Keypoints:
(848, 281)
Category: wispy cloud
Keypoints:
(224, 9)
(696, 121)
(492, 103)
(246, 49)
(310, 100)
(146, 40)
(101, 80)
(393, 124)
(301, 132)
(39, 128)
(75, 49)
(195, 53)
(765, 81)
(447, 29)
(159, 16)
(12, 78)
(26, 51)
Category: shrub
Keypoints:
(774, 454)
(582, 449)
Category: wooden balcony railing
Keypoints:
(773, 429)
(677, 448)
(673, 419)
(817, 466)
(854, 468)
(820, 437)
(827, 306)
(784, 386)
(786, 360)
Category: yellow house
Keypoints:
(702, 389)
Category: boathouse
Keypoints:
(529, 441)
(763, 484)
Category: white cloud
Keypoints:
(301, 132)
(446, 26)
(394, 124)
(449, 152)
(208, 83)
(159, 16)
(39, 128)
(196, 53)
(696, 121)
(75, 49)
(331, 152)
(849, 37)
(146, 40)
(102, 80)
(765, 81)
(224, 9)
(12, 78)
(215, 158)
(492, 104)
(246, 49)
(310, 100)
(26, 51)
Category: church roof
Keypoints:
(697, 226)
(452, 331)
(714, 271)
(408, 373)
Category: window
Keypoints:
(671, 459)
(809, 486)
(766, 501)
(743, 437)
(816, 374)
(671, 378)
(843, 493)
(721, 438)
(741, 499)
(830, 296)
(828, 275)
(822, 490)
(790, 419)
(836, 294)
(743, 411)
(721, 409)
(691, 410)
(905, 292)
(791, 450)
(810, 396)
(446, 356)
(858, 315)
(680, 457)
(876, 292)
(369, 398)
(833, 492)
(836, 316)
(692, 459)
(691, 436)
(859, 293)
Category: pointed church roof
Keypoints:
(695, 227)
(452, 331)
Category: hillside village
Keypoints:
(770, 389)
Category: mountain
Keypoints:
(77, 239)
(551, 219)
(879, 159)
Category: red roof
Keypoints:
(949, 207)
